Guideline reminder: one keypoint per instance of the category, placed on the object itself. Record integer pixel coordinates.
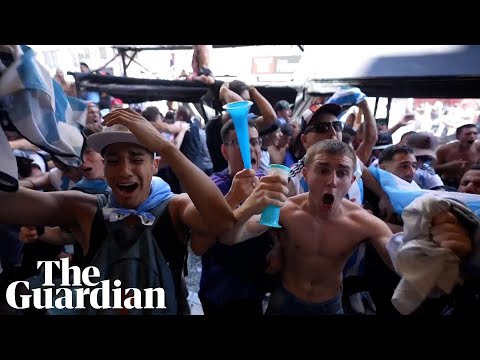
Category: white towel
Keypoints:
(425, 267)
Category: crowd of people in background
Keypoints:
(331, 255)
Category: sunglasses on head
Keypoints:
(323, 127)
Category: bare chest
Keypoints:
(472, 156)
(323, 238)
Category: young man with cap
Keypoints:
(424, 145)
(320, 122)
(127, 143)
(382, 124)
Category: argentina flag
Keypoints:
(38, 109)
(402, 193)
(346, 97)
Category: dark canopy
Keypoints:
(135, 90)
(453, 74)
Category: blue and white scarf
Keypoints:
(159, 192)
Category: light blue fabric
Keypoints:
(39, 109)
(346, 97)
(402, 193)
(160, 192)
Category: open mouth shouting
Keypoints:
(328, 199)
(127, 188)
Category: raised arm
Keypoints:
(178, 140)
(174, 128)
(227, 96)
(370, 135)
(268, 116)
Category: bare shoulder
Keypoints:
(179, 200)
(364, 220)
(444, 148)
(292, 208)
(295, 202)
(178, 204)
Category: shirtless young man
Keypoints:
(454, 159)
(200, 64)
(321, 229)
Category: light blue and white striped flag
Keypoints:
(346, 97)
(402, 193)
(39, 110)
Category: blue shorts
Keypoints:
(282, 302)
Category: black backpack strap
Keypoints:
(158, 211)
(174, 250)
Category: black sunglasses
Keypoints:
(323, 127)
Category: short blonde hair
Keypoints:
(332, 147)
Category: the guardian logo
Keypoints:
(72, 295)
